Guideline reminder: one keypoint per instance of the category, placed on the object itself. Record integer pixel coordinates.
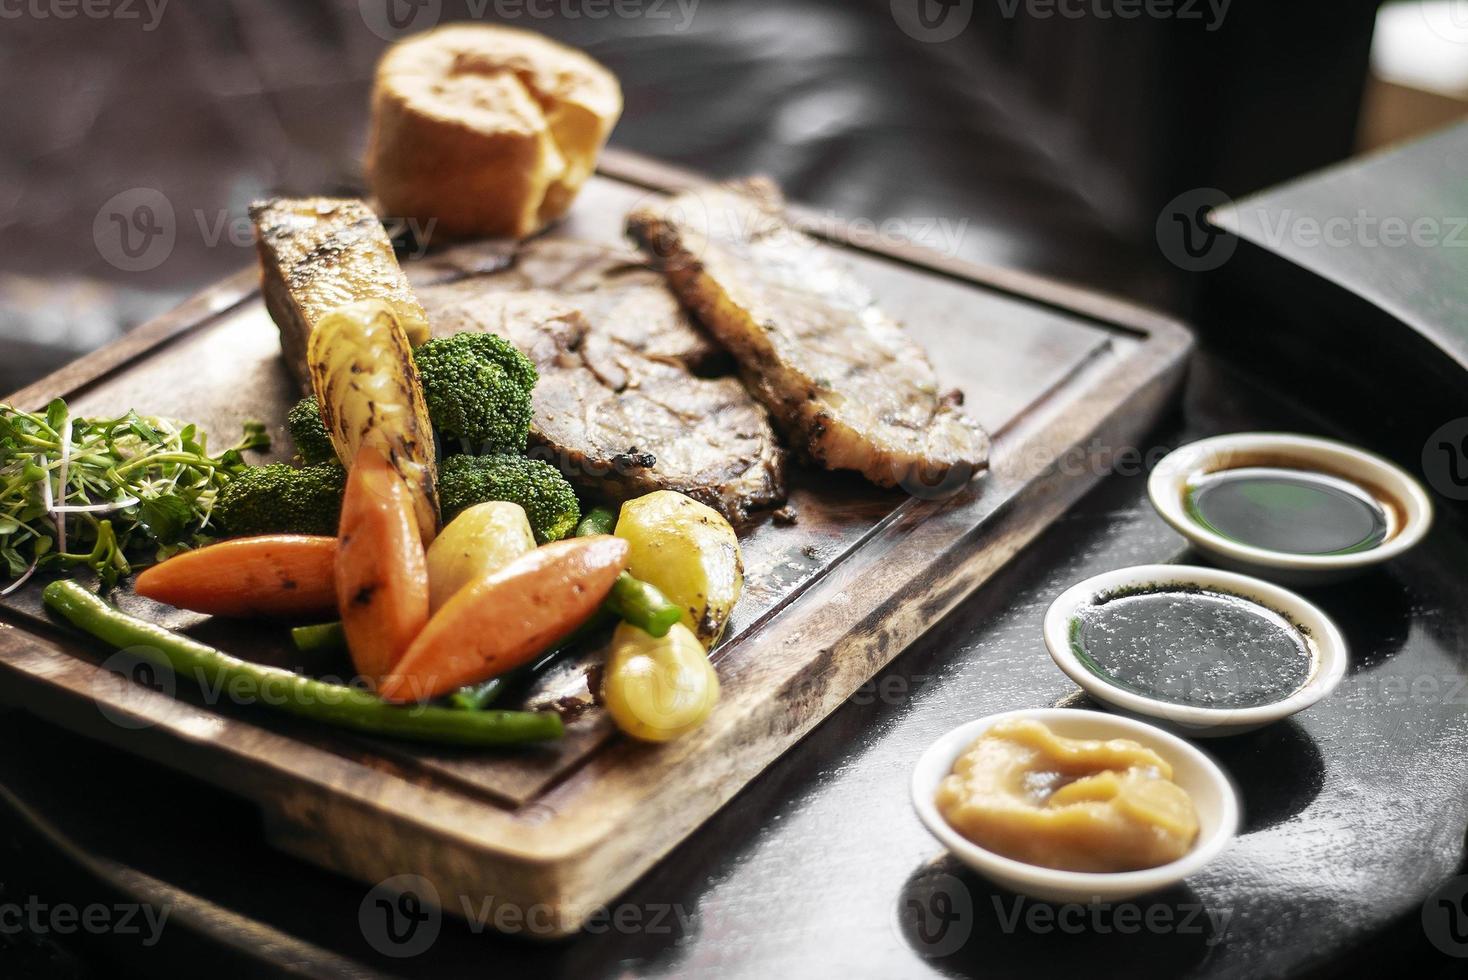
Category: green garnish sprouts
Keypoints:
(106, 494)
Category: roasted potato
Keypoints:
(690, 553)
(658, 689)
(482, 539)
(362, 371)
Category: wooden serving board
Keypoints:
(1059, 376)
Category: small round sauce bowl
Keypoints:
(1319, 634)
(1212, 793)
(1405, 505)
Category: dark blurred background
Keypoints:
(1007, 132)
(1010, 132)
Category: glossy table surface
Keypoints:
(1353, 812)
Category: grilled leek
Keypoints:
(362, 371)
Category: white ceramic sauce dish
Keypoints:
(1213, 796)
(1319, 632)
(1407, 506)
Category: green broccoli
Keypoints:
(477, 387)
(308, 432)
(281, 499)
(548, 499)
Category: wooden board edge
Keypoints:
(580, 869)
(581, 866)
(1112, 311)
(189, 315)
(573, 876)
(644, 172)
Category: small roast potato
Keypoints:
(658, 689)
(690, 553)
(482, 539)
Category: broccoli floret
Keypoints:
(280, 499)
(477, 387)
(308, 432)
(548, 499)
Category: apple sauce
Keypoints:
(1071, 804)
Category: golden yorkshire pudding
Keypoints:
(486, 130)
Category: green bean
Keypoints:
(598, 520)
(320, 638)
(638, 602)
(641, 604)
(477, 697)
(334, 704)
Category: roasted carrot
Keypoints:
(381, 571)
(504, 618)
(285, 575)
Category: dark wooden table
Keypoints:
(1354, 814)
